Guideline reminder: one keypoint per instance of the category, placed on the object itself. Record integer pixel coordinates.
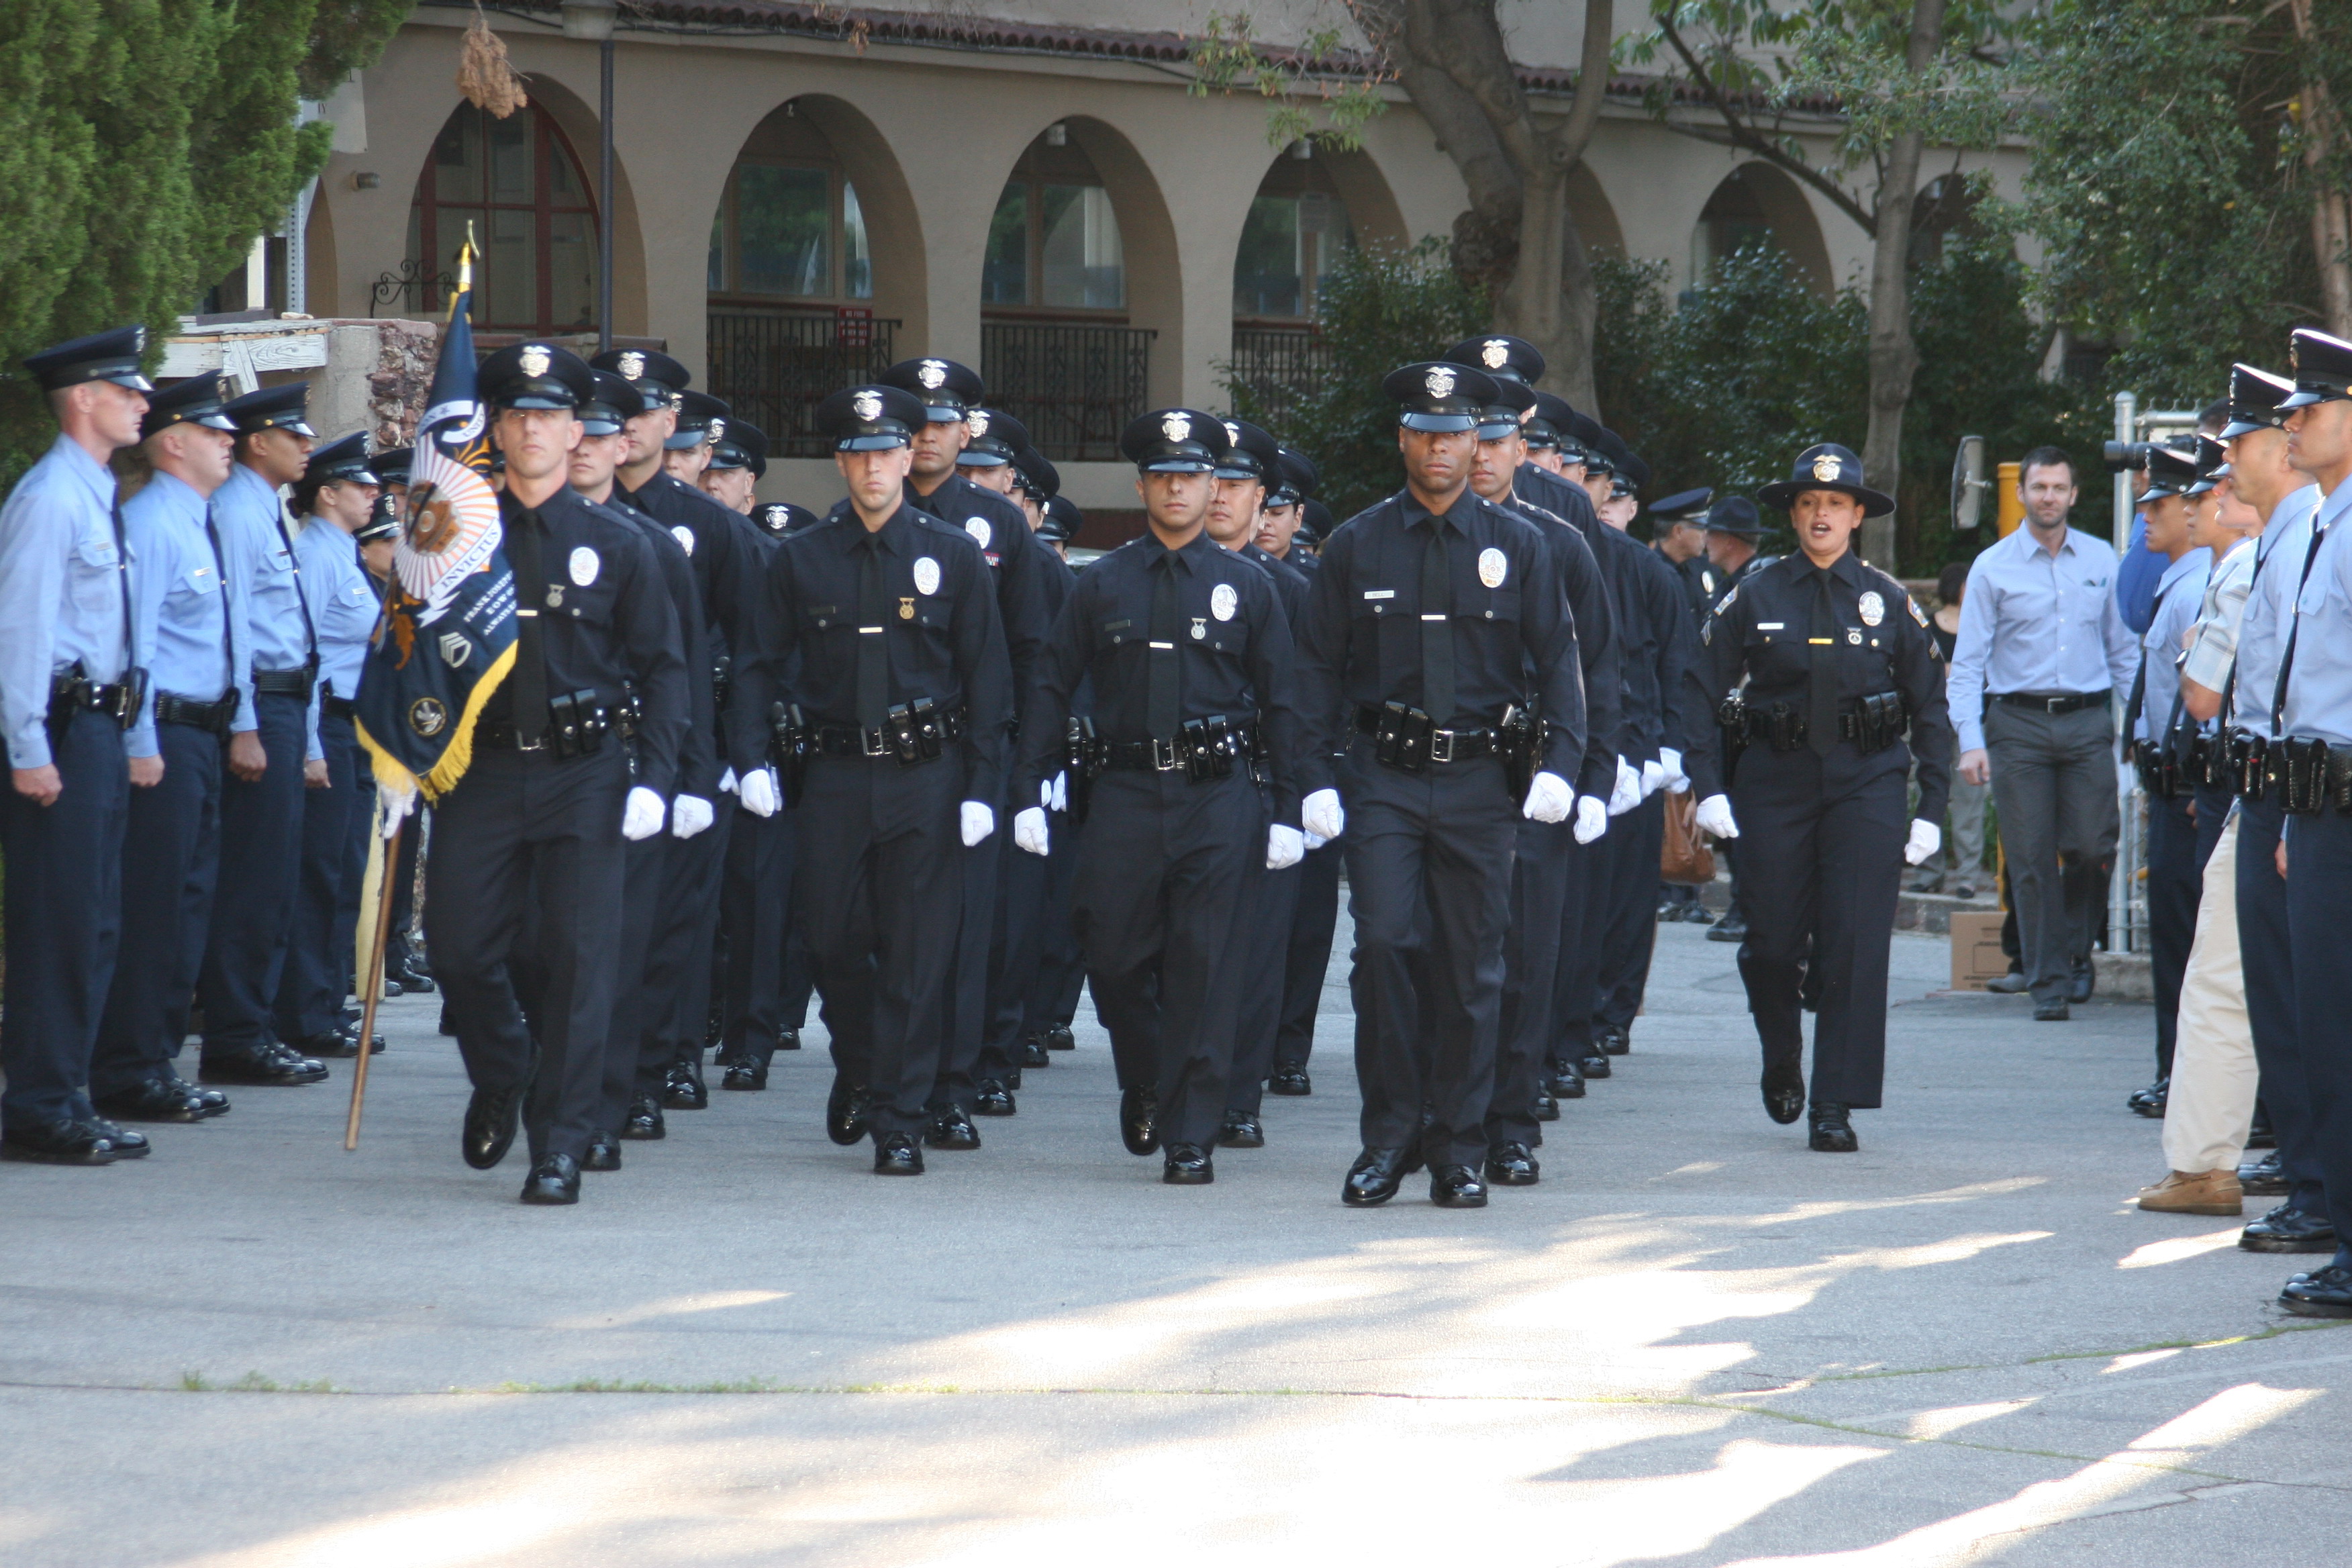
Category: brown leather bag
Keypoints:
(1685, 856)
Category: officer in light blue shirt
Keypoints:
(334, 499)
(199, 712)
(69, 679)
(261, 818)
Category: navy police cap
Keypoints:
(537, 375)
(2255, 399)
(781, 516)
(110, 356)
(1252, 454)
(1295, 477)
(1061, 521)
(344, 461)
(283, 407)
(994, 439)
(1437, 395)
(1736, 515)
(1500, 355)
(948, 390)
(742, 445)
(869, 418)
(1682, 506)
(2323, 368)
(700, 417)
(2170, 472)
(1038, 475)
(196, 401)
(614, 401)
(658, 377)
(1175, 441)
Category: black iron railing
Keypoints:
(1277, 367)
(1077, 384)
(776, 366)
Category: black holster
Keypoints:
(788, 746)
(1082, 760)
(1520, 738)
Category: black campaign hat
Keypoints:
(345, 460)
(196, 401)
(1736, 515)
(2323, 368)
(110, 356)
(781, 516)
(2170, 472)
(2255, 399)
(658, 377)
(1827, 467)
(1547, 425)
(740, 445)
(869, 418)
(273, 408)
(615, 400)
(1682, 506)
(1038, 475)
(2212, 463)
(1500, 355)
(395, 463)
(1438, 395)
(948, 390)
(700, 417)
(1253, 455)
(996, 438)
(1061, 521)
(1295, 477)
(1175, 441)
(537, 375)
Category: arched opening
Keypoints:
(1595, 217)
(533, 208)
(1757, 204)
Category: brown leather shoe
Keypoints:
(2202, 1192)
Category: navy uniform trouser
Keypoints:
(878, 899)
(260, 869)
(755, 910)
(529, 847)
(1632, 933)
(2266, 958)
(1820, 858)
(960, 1044)
(1429, 876)
(1540, 878)
(645, 865)
(1060, 968)
(1584, 916)
(677, 957)
(1308, 959)
(64, 907)
(171, 853)
(313, 979)
(1158, 889)
(1258, 964)
(2172, 892)
(2319, 911)
(1025, 889)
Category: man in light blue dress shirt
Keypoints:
(2041, 654)
(199, 712)
(68, 680)
(261, 818)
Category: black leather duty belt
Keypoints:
(911, 733)
(336, 707)
(210, 717)
(577, 723)
(2063, 703)
(1207, 749)
(282, 683)
(1408, 730)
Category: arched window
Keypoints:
(789, 225)
(1054, 243)
(534, 217)
(1296, 228)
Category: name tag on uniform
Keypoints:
(202, 581)
(1379, 593)
(1772, 625)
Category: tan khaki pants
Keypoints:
(2214, 1076)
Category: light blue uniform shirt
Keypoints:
(341, 600)
(61, 591)
(190, 633)
(2284, 539)
(248, 511)
(2034, 621)
(2319, 686)
(2179, 598)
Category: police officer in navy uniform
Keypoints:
(1836, 662)
(1190, 658)
(883, 638)
(1429, 612)
(1686, 552)
(701, 420)
(1306, 958)
(1733, 528)
(739, 461)
(535, 832)
(69, 683)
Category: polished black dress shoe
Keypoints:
(553, 1179)
(127, 1145)
(2322, 1293)
(490, 1122)
(897, 1154)
(329, 1045)
(1567, 1083)
(1615, 1041)
(992, 1099)
(351, 1032)
(1373, 1179)
(788, 1039)
(1546, 1109)
(2149, 1101)
(1456, 1187)
(2010, 984)
(2286, 1229)
(1594, 1065)
(2051, 1010)
(1730, 928)
(744, 1073)
(846, 1109)
(1138, 1120)
(1832, 1133)
(1241, 1131)
(270, 1065)
(2265, 1178)
(149, 1100)
(211, 1101)
(952, 1129)
(1512, 1165)
(683, 1089)
(2081, 981)
(1784, 1091)
(1034, 1052)
(642, 1122)
(603, 1153)
(1011, 1078)
(2262, 1134)
(58, 1143)
(413, 982)
(1290, 1082)
(1187, 1165)
(1059, 1039)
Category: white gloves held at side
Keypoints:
(1549, 798)
(1285, 847)
(1926, 839)
(689, 815)
(641, 818)
(1672, 762)
(1628, 793)
(757, 790)
(1029, 830)
(979, 822)
(1715, 818)
(397, 803)
(1591, 818)
(1319, 814)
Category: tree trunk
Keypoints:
(2331, 223)
(1534, 304)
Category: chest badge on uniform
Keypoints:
(927, 575)
(1493, 566)
(685, 537)
(1874, 609)
(555, 596)
(1224, 601)
(1853, 637)
(906, 609)
(979, 530)
(1199, 628)
(585, 566)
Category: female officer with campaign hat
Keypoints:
(1836, 661)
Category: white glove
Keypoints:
(1061, 801)
(979, 822)
(397, 803)
(1591, 818)
(1654, 775)
(727, 782)
(1628, 793)
(757, 791)
(689, 815)
(1926, 839)
(1045, 795)
(1320, 815)
(1549, 797)
(1671, 761)
(1315, 841)
(1285, 847)
(642, 818)
(1715, 818)
(1029, 830)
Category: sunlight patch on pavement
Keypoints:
(672, 1306)
(1933, 1424)
(2137, 1360)
(2178, 1248)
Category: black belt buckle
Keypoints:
(1400, 740)
(1440, 745)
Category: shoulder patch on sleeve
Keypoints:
(1730, 595)
(1917, 615)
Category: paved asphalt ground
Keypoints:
(1694, 1344)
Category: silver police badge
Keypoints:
(535, 359)
(685, 537)
(1826, 468)
(866, 405)
(932, 373)
(718, 430)
(977, 423)
(927, 575)
(585, 566)
(979, 530)
(1495, 354)
(1176, 426)
(1439, 381)
(632, 365)
(1493, 566)
(1233, 433)
(1224, 601)
(1874, 609)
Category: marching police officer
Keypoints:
(1429, 612)
(69, 683)
(1190, 658)
(1306, 958)
(886, 659)
(1837, 661)
(739, 461)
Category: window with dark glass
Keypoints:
(1054, 242)
(517, 181)
(789, 226)
(1296, 230)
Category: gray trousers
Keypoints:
(1960, 857)
(2053, 781)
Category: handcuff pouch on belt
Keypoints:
(1401, 738)
(1520, 739)
(1731, 718)
(791, 743)
(1208, 747)
(2306, 793)
(1082, 759)
(2249, 766)
(577, 723)
(1879, 721)
(915, 731)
